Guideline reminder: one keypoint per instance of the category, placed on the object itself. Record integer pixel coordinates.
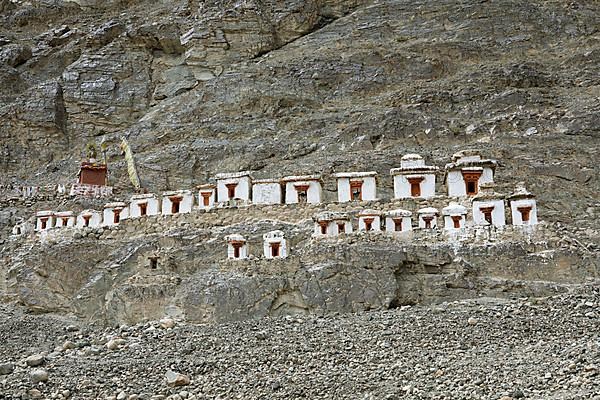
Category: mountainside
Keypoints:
(292, 88)
(299, 87)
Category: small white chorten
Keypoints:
(65, 219)
(114, 213)
(330, 223)
(356, 186)
(302, 189)
(89, 219)
(266, 191)
(44, 220)
(207, 196)
(523, 206)
(467, 172)
(142, 205)
(488, 207)
(398, 221)
(455, 216)
(234, 186)
(237, 249)
(275, 245)
(428, 217)
(369, 220)
(413, 178)
(177, 202)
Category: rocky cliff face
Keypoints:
(289, 87)
(106, 275)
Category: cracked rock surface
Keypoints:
(298, 87)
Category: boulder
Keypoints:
(167, 323)
(39, 375)
(115, 343)
(35, 360)
(68, 345)
(175, 379)
(6, 368)
(106, 33)
(174, 81)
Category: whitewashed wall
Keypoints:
(186, 205)
(343, 189)
(282, 248)
(456, 183)
(243, 251)
(332, 228)
(390, 226)
(71, 221)
(242, 190)
(422, 221)
(402, 186)
(95, 219)
(50, 222)
(108, 216)
(211, 199)
(498, 216)
(369, 188)
(266, 193)
(375, 225)
(152, 208)
(313, 194)
(449, 223)
(516, 215)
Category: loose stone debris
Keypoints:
(489, 349)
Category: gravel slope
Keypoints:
(485, 349)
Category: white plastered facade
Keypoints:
(498, 216)
(23, 228)
(413, 168)
(207, 196)
(17, 230)
(114, 212)
(369, 220)
(454, 212)
(468, 162)
(293, 183)
(234, 241)
(425, 214)
(266, 191)
(186, 202)
(94, 219)
(65, 219)
(334, 224)
(242, 182)
(44, 220)
(148, 201)
(402, 185)
(366, 180)
(456, 183)
(274, 238)
(517, 217)
(398, 219)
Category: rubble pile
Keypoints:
(486, 348)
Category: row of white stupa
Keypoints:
(487, 210)
(467, 175)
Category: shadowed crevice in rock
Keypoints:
(61, 115)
